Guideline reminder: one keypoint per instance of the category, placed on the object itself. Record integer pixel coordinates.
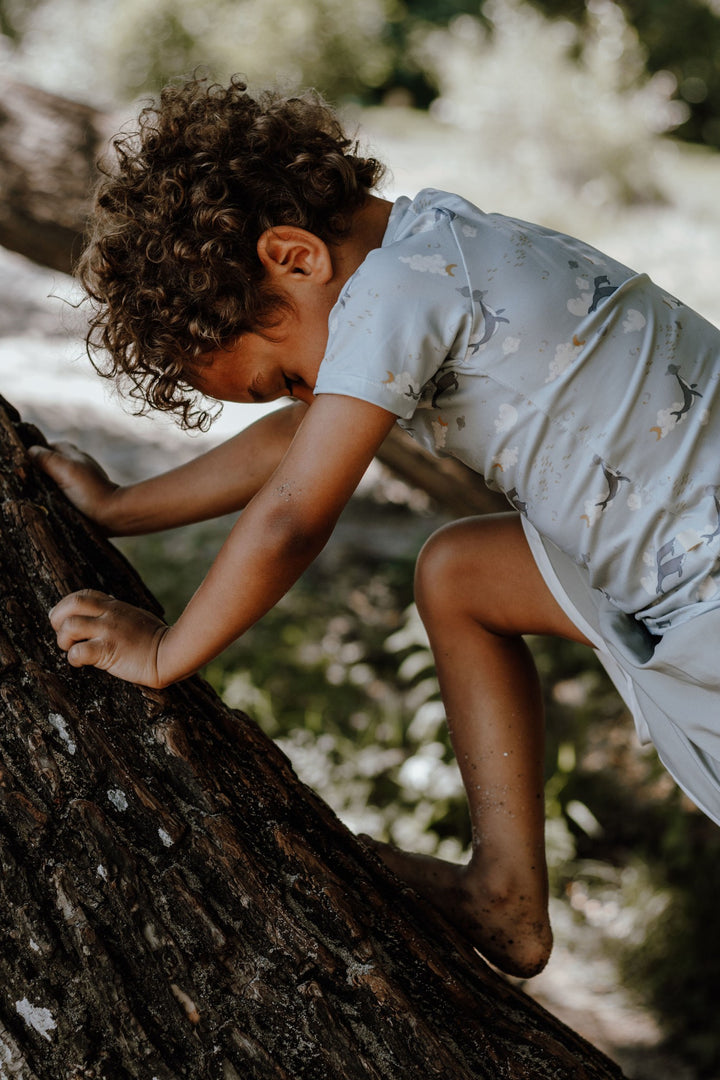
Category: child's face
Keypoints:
(259, 369)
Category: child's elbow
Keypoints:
(297, 535)
(302, 542)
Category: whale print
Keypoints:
(491, 318)
(668, 563)
(603, 289)
(444, 212)
(713, 492)
(613, 478)
(688, 391)
(444, 382)
(516, 501)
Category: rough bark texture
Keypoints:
(174, 903)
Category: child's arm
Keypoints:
(278, 535)
(218, 482)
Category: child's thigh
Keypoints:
(482, 569)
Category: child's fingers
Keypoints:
(76, 628)
(54, 460)
(84, 653)
(40, 454)
(84, 482)
(62, 448)
(59, 454)
(81, 630)
(88, 602)
(96, 629)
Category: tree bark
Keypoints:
(175, 903)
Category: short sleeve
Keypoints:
(401, 316)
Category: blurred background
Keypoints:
(598, 118)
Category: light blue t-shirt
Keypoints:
(580, 389)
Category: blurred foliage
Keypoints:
(340, 674)
(684, 39)
(568, 113)
(336, 44)
(681, 37)
(677, 968)
(14, 16)
(375, 51)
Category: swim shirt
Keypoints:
(576, 386)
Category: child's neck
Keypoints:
(366, 233)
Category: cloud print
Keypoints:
(506, 418)
(426, 264)
(635, 320)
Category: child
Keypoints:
(239, 252)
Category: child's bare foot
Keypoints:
(510, 929)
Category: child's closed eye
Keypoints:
(261, 389)
(256, 390)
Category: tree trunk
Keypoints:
(175, 903)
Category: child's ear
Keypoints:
(286, 249)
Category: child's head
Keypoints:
(172, 264)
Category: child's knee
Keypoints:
(465, 567)
(439, 567)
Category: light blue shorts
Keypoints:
(671, 684)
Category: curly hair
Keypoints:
(171, 267)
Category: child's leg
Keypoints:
(478, 590)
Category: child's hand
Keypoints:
(83, 481)
(96, 629)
